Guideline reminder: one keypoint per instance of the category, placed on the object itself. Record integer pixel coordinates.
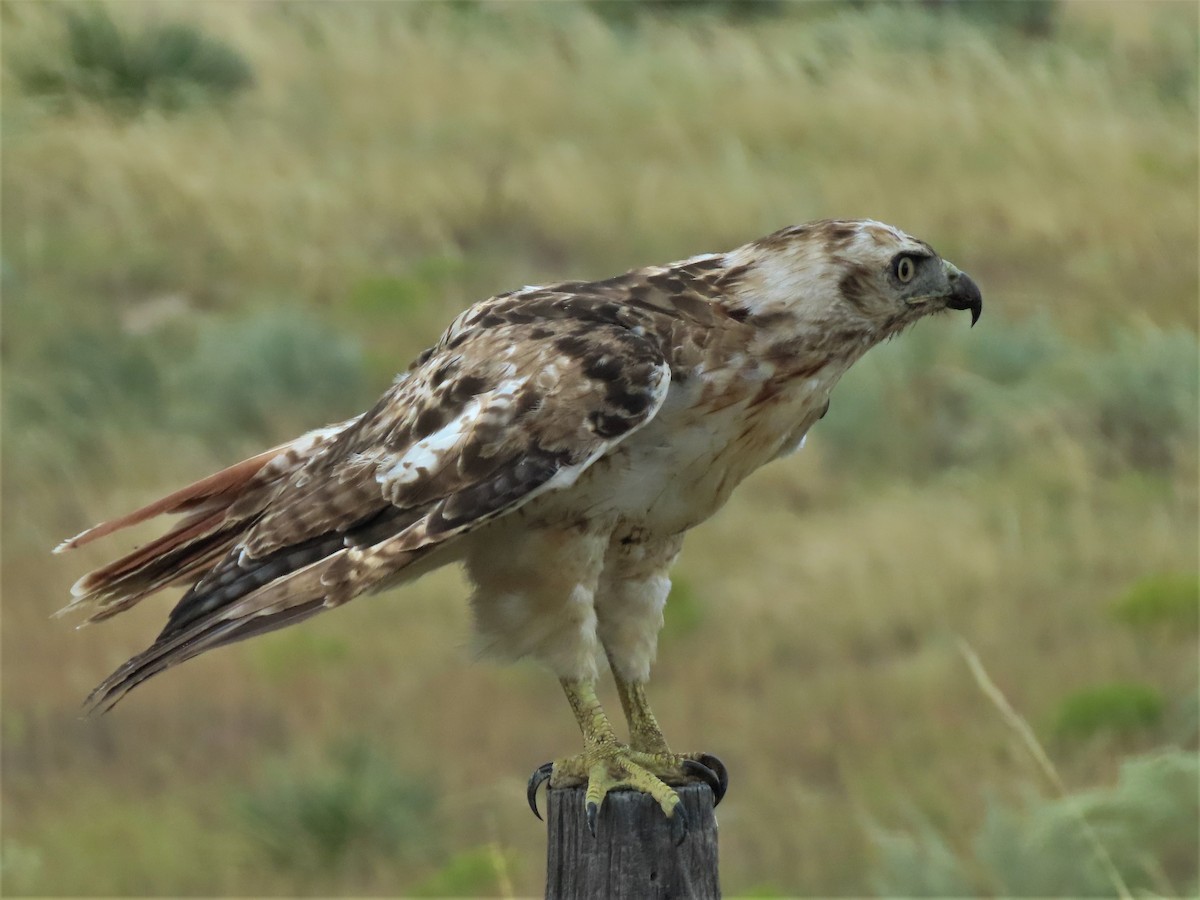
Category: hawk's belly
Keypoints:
(681, 468)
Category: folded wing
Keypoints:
(487, 420)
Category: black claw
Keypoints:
(714, 764)
(705, 774)
(540, 774)
(593, 813)
(679, 824)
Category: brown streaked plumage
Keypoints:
(559, 441)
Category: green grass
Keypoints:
(1119, 708)
(332, 820)
(1147, 822)
(1162, 601)
(989, 400)
(186, 284)
(472, 873)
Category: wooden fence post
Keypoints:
(632, 855)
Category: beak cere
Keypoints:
(966, 296)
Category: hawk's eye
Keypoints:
(905, 269)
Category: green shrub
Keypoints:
(357, 807)
(1118, 708)
(1147, 823)
(1033, 18)
(245, 375)
(68, 397)
(627, 12)
(910, 407)
(939, 399)
(82, 373)
(1143, 399)
(261, 377)
(917, 864)
(472, 873)
(1012, 353)
(1174, 66)
(1169, 601)
(166, 66)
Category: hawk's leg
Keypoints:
(649, 748)
(605, 764)
(645, 735)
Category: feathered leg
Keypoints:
(629, 612)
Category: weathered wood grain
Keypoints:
(633, 854)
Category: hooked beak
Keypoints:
(964, 294)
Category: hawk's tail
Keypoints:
(228, 600)
(236, 600)
(217, 510)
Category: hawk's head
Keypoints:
(850, 275)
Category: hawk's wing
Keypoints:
(495, 414)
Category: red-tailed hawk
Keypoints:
(559, 442)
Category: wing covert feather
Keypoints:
(472, 430)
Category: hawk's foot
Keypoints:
(681, 768)
(613, 766)
(607, 765)
(650, 750)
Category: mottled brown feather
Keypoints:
(329, 502)
(522, 394)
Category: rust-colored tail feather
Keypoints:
(220, 508)
(214, 491)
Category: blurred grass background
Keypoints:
(225, 223)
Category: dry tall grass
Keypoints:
(394, 162)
